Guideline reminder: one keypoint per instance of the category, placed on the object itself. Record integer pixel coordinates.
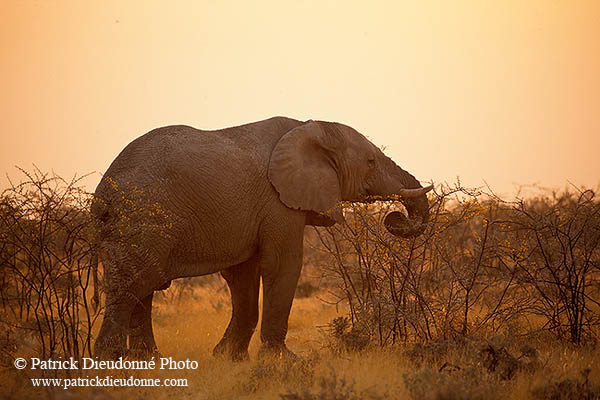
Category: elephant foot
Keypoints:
(110, 349)
(277, 352)
(108, 353)
(142, 346)
(228, 350)
(142, 353)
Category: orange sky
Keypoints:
(502, 91)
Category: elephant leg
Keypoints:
(243, 281)
(112, 338)
(124, 292)
(141, 336)
(280, 272)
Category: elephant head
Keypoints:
(319, 164)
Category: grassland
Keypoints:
(188, 328)
(496, 300)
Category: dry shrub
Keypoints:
(499, 360)
(568, 389)
(305, 289)
(468, 369)
(265, 373)
(183, 289)
(341, 336)
(484, 267)
(48, 302)
(332, 387)
(468, 384)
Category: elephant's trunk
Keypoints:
(414, 198)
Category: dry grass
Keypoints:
(190, 329)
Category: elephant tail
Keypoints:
(100, 215)
(95, 280)
(99, 209)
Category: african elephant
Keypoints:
(234, 201)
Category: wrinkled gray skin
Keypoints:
(237, 202)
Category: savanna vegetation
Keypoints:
(496, 300)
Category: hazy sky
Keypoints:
(502, 91)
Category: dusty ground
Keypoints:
(190, 328)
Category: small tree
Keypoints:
(561, 235)
(47, 266)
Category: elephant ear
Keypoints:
(301, 170)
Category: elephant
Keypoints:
(182, 202)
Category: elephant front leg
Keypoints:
(280, 278)
(243, 281)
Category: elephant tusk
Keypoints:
(409, 193)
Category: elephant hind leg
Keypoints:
(243, 281)
(141, 336)
(112, 338)
(125, 291)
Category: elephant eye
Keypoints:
(371, 163)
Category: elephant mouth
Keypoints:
(399, 225)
